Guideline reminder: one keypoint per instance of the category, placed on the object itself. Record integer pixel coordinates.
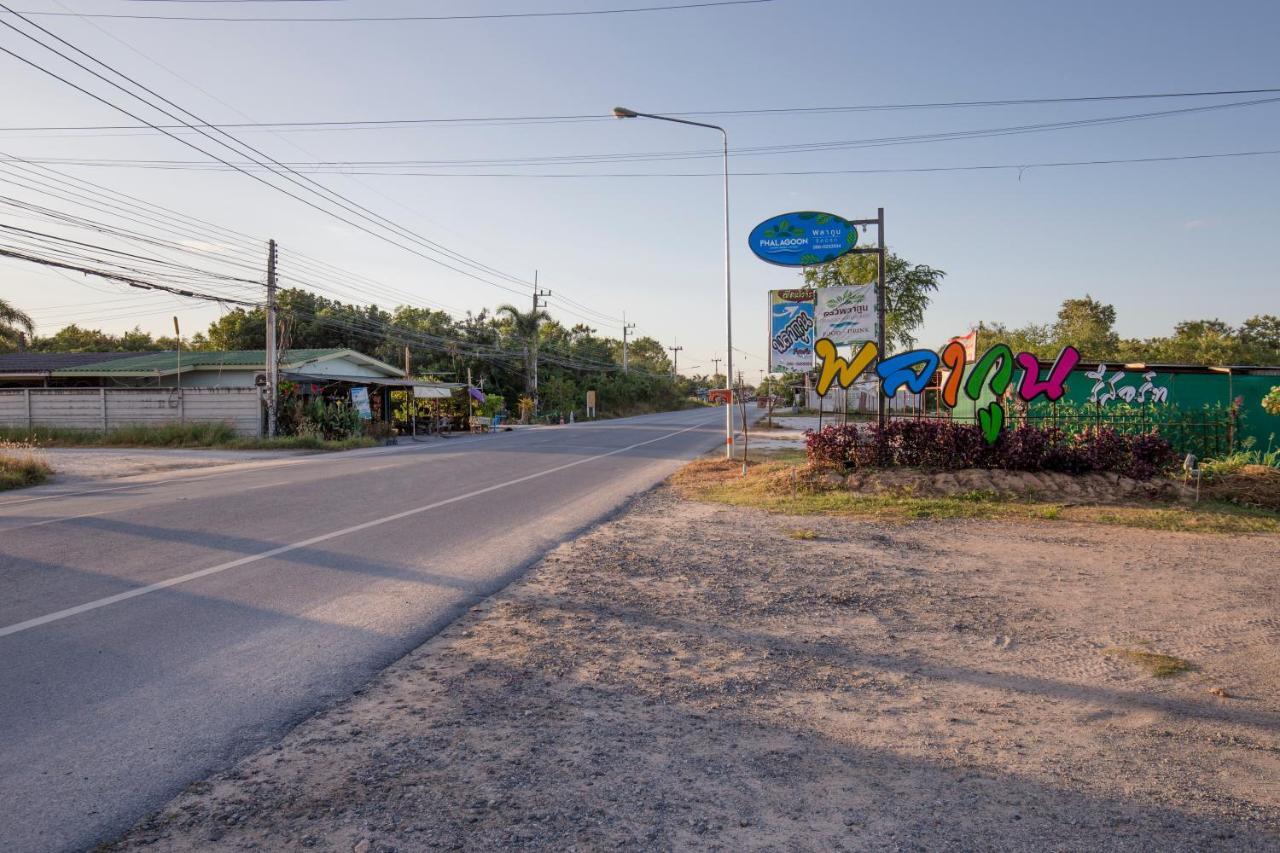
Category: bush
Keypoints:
(948, 445)
(21, 465)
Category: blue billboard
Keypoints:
(791, 327)
(802, 239)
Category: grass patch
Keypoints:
(218, 435)
(1156, 665)
(783, 487)
(21, 466)
(803, 533)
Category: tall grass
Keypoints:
(21, 465)
(1232, 463)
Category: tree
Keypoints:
(1088, 325)
(14, 326)
(908, 287)
(1260, 336)
(523, 326)
(74, 338)
(1037, 339)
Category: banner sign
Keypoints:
(360, 399)
(803, 238)
(846, 314)
(791, 328)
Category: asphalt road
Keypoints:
(154, 631)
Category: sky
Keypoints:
(1162, 241)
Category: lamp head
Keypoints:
(623, 112)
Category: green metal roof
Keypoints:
(167, 362)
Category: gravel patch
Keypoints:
(80, 464)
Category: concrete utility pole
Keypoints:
(273, 361)
(626, 327)
(675, 360)
(716, 361)
(538, 302)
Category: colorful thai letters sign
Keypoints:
(846, 314)
(914, 369)
(802, 238)
(791, 326)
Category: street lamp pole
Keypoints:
(623, 112)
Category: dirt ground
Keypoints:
(693, 676)
(80, 464)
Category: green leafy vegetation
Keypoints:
(1089, 325)
(908, 289)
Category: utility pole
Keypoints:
(410, 401)
(716, 361)
(182, 409)
(626, 327)
(273, 361)
(675, 360)
(538, 302)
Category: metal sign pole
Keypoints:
(880, 307)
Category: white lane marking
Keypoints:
(314, 540)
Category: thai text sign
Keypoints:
(802, 238)
(846, 314)
(791, 326)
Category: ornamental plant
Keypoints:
(1271, 402)
(947, 445)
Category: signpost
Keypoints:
(791, 325)
(803, 238)
(846, 314)
(360, 399)
(807, 238)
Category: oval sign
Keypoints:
(802, 238)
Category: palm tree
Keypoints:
(13, 323)
(524, 326)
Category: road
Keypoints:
(153, 632)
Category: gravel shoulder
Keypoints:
(82, 464)
(693, 676)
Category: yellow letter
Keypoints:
(833, 364)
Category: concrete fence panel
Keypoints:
(101, 409)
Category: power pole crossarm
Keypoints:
(675, 360)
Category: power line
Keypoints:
(575, 13)
(329, 196)
(347, 166)
(391, 124)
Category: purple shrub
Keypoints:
(944, 445)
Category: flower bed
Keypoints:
(946, 445)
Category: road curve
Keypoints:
(154, 630)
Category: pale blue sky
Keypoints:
(1162, 241)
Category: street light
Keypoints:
(623, 112)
